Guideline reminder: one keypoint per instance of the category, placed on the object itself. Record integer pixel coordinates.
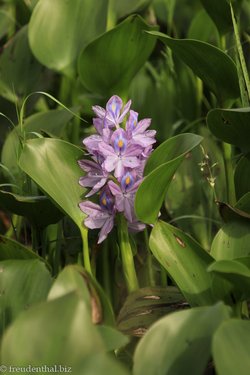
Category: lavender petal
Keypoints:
(106, 229)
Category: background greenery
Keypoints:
(63, 300)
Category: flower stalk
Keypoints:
(127, 255)
(85, 250)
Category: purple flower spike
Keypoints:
(116, 169)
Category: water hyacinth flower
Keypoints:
(100, 216)
(118, 154)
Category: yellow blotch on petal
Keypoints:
(104, 201)
(127, 181)
(120, 143)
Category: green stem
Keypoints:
(150, 269)
(106, 270)
(15, 228)
(85, 250)
(229, 173)
(244, 310)
(164, 279)
(237, 309)
(65, 90)
(34, 238)
(111, 16)
(127, 256)
(58, 247)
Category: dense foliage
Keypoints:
(124, 186)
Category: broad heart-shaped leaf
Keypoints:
(118, 56)
(60, 332)
(241, 176)
(185, 261)
(52, 122)
(231, 348)
(218, 72)
(237, 272)
(19, 71)
(160, 169)
(233, 239)
(11, 249)
(74, 277)
(145, 306)
(59, 29)
(52, 164)
(38, 209)
(220, 13)
(231, 126)
(22, 284)
(179, 343)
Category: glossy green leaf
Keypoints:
(233, 239)
(71, 278)
(52, 122)
(75, 278)
(59, 30)
(198, 31)
(218, 72)
(179, 343)
(220, 13)
(243, 203)
(22, 284)
(67, 335)
(160, 169)
(11, 249)
(52, 164)
(185, 261)
(231, 126)
(19, 71)
(189, 197)
(241, 176)
(145, 306)
(117, 57)
(237, 272)
(39, 210)
(230, 213)
(231, 348)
